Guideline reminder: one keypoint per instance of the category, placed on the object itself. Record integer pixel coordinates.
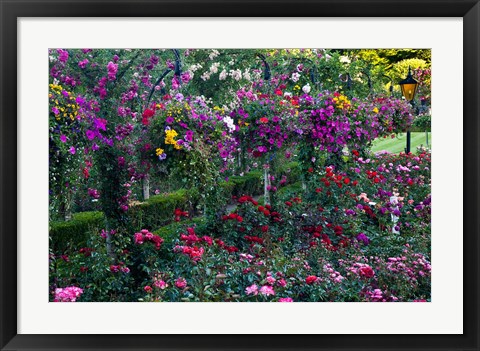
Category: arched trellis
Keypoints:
(177, 70)
(391, 84)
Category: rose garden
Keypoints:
(239, 175)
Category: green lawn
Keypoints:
(397, 144)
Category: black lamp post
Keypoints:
(409, 88)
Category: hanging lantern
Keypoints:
(409, 86)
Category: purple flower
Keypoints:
(55, 110)
(79, 100)
(363, 238)
(112, 70)
(179, 97)
(154, 59)
(169, 120)
(72, 150)
(175, 83)
(90, 134)
(83, 64)
(63, 138)
(189, 135)
(185, 77)
(62, 55)
(100, 123)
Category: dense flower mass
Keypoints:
(235, 175)
(68, 294)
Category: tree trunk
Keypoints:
(146, 187)
(68, 210)
(266, 186)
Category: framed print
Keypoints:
(203, 163)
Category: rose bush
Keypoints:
(345, 225)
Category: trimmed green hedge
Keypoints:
(158, 210)
(291, 170)
(249, 184)
(74, 233)
(154, 213)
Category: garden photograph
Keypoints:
(239, 175)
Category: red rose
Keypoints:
(367, 272)
(148, 113)
(311, 279)
(326, 240)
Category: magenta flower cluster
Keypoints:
(68, 294)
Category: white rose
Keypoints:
(306, 88)
(295, 77)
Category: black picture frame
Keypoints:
(11, 10)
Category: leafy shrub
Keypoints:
(170, 231)
(74, 233)
(249, 183)
(154, 213)
(158, 210)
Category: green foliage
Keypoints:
(170, 232)
(291, 170)
(400, 69)
(153, 213)
(290, 191)
(159, 209)
(388, 57)
(74, 234)
(423, 122)
(248, 184)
